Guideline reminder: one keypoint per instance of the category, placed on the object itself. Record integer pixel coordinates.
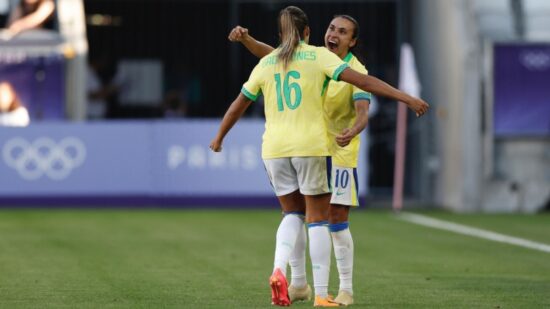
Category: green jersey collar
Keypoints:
(347, 58)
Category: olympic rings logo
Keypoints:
(535, 60)
(44, 156)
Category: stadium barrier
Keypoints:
(133, 163)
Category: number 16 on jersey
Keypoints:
(287, 88)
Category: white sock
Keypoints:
(286, 238)
(343, 251)
(298, 260)
(319, 251)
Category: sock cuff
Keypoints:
(337, 227)
(319, 223)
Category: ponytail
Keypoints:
(292, 23)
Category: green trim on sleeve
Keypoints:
(362, 96)
(248, 94)
(339, 70)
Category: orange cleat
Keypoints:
(325, 302)
(279, 289)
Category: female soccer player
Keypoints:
(295, 146)
(344, 106)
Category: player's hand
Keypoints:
(344, 138)
(216, 145)
(238, 34)
(419, 106)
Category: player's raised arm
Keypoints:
(233, 114)
(257, 48)
(376, 86)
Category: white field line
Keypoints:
(471, 231)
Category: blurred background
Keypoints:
(114, 102)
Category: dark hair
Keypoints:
(292, 23)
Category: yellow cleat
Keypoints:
(324, 302)
(299, 294)
(344, 298)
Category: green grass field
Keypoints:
(222, 259)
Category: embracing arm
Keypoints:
(257, 48)
(376, 86)
(361, 121)
(233, 114)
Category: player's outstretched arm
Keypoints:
(376, 86)
(233, 114)
(361, 121)
(257, 48)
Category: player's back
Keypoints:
(295, 123)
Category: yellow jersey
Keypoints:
(295, 118)
(340, 113)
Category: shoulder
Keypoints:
(326, 56)
(268, 59)
(306, 47)
(320, 49)
(355, 64)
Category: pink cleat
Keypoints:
(279, 289)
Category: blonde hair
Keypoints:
(292, 23)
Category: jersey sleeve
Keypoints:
(330, 64)
(360, 94)
(252, 88)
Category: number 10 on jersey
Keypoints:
(287, 89)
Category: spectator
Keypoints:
(30, 14)
(173, 105)
(12, 113)
(103, 86)
(97, 93)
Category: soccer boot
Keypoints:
(344, 298)
(279, 289)
(324, 302)
(298, 294)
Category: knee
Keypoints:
(338, 214)
(316, 216)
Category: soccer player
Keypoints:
(295, 146)
(345, 105)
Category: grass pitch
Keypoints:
(222, 259)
